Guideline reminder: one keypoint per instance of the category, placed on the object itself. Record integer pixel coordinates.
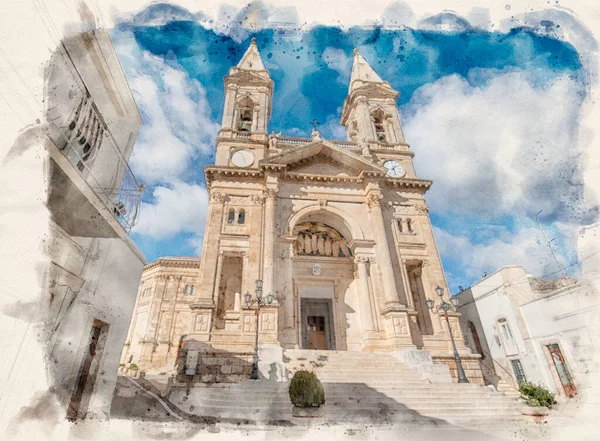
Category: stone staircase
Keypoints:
(360, 388)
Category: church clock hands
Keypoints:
(395, 170)
(242, 158)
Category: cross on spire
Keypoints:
(315, 123)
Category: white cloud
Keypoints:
(526, 248)
(507, 148)
(177, 125)
(177, 208)
(337, 60)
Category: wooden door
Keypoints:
(316, 332)
(562, 370)
(73, 412)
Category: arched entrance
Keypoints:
(322, 272)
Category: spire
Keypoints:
(251, 59)
(362, 73)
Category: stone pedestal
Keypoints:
(397, 328)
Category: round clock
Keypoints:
(395, 170)
(242, 158)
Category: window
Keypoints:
(409, 226)
(379, 124)
(146, 292)
(190, 289)
(506, 337)
(245, 122)
(518, 370)
(231, 216)
(399, 223)
(245, 114)
(506, 331)
(241, 217)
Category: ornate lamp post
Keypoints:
(462, 378)
(259, 303)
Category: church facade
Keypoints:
(337, 231)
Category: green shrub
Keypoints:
(306, 390)
(121, 364)
(133, 367)
(536, 395)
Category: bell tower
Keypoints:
(248, 96)
(370, 114)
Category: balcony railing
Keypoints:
(91, 148)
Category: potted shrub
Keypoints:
(538, 399)
(306, 394)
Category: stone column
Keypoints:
(237, 301)
(384, 264)
(149, 340)
(245, 285)
(364, 297)
(269, 241)
(406, 284)
(215, 294)
(288, 291)
(255, 116)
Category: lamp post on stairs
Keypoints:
(258, 299)
(444, 306)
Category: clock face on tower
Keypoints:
(395, 170)
(242, 158)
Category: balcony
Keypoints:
(88, 145)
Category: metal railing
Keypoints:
(90, 146)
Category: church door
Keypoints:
(317, 324)
(316, 332)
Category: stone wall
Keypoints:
(470, 365)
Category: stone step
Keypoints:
(372, 403)
(340, 412)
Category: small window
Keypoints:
(409, 226)
(190, 289)
(241, 217)
(399, 223)
(231, 216)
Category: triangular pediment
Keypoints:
(322, 165)
(323, 158)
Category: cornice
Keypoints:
(211, 171)
(188, 262)
(408, 183)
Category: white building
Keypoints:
(69, 268)
(530, 329)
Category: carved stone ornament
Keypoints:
(400, 325)
(219, 197)
(374, 199)
(258, 200)
(421, 207)
(270, 193)
(318, 239)
(316, 269)
(364, 259)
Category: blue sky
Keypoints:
(493, 119)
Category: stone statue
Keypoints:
(318, 239)
(273, 139)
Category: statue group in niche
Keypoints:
(318, 239)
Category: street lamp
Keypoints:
(462, 378)
(259, 303)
